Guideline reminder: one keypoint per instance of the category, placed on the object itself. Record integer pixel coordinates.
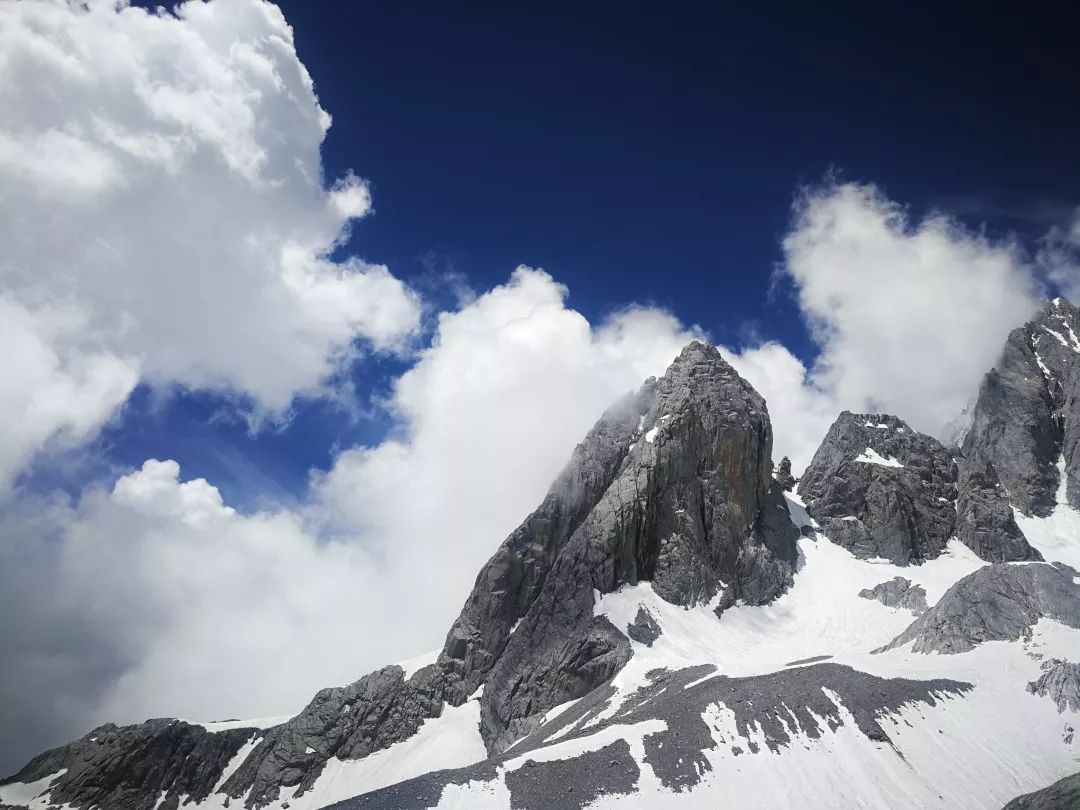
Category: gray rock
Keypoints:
(996, 603)
(898, 592)
(984, 517)
(1060, 682)
(813, 659)
(783, 475)
(902, 511)
(1025, 417)
(347, 722)
(693, 505)
(570, 784)
(907, 513)
(1062, 795)
(644, 628)
(130, 767)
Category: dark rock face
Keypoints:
(1062, 795)
(1024, 419)
(996, 603)
(570, 784)
(881, 489)
(1060, 682)
(783, 475)
(898, 592)
(130, 767)
(346, 722)
(984, 517)
(780, 705)
(693, 504)
(644, 628)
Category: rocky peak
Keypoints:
(673, 485)
(691, 507)
(1025, 419)
(881, 489)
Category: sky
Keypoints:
(305, 305)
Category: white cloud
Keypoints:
(908, 315)
(161, 180)
(198, 610)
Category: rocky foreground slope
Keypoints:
(670, 629)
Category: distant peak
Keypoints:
(698, 348)
(1057, 305)
(873, 420)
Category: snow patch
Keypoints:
(449, 741)
(1058, 335)
(256, 722)
(1072, 335)
(650, 436)
(871, 456)
(237, 761)
(413, 665)
(34, 795)
(1056, 536)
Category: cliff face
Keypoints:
(1026, 416)
(691, 507)
(881, 489)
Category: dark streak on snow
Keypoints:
(775, 704)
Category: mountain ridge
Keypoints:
(667, 529)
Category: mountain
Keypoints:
(672, 628)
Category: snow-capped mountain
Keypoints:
(672, 627)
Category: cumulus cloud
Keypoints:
(165, 218)
(190, 608)
(907, 314)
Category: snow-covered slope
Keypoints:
(974, 747)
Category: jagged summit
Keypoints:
(1025, 421)
(677, 491)
(881, 489)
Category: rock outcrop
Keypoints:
(1062, 795)
(898, 592)
(984, 517)
(881, 489)
(1060, 681)
(995, 603)
(1026, 416)
(644, 629)
(158, 764)
(783, 476)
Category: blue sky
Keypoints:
(269, 386)
(638, 156)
